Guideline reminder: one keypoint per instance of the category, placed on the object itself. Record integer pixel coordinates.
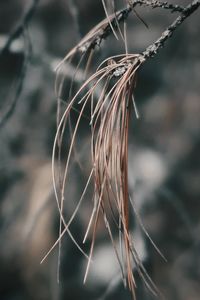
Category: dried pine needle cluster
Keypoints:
(115, 80)
(109, 93)
(109, 123)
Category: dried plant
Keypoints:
(109, 121)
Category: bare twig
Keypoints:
(153, 49)
(158, 4)
(104, 29)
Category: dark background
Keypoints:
(164, 160)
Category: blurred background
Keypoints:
(164, 160)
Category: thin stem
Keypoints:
(153, 49)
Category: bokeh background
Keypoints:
(164, 160)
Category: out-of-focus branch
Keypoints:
(5, 115)
(47, 61)
(75, 16)
(18, 31)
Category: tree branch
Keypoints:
(121, 16)
(153, 49)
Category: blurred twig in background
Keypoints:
(20, 30)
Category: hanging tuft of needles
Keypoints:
(109, 94)
(109, 125)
